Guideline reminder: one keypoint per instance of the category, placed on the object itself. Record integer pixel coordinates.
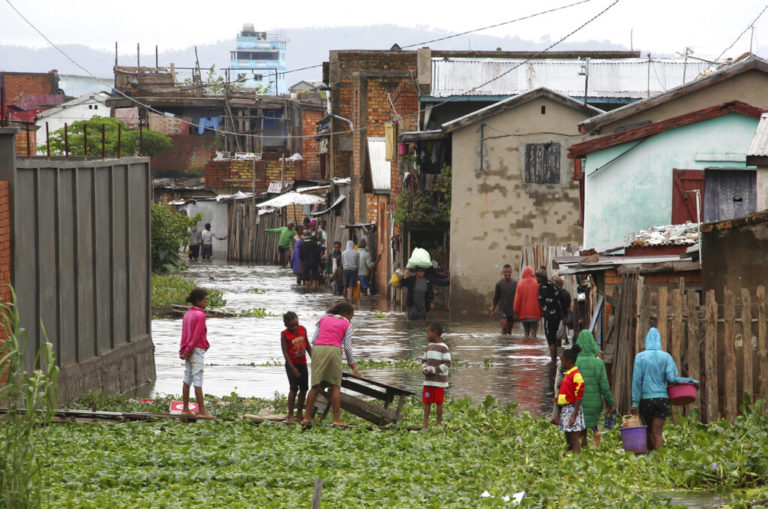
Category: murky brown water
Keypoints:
(517, 371)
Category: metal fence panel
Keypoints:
(81, 259)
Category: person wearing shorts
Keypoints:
(435, 364)
(194, 344)
(653, 370)
(295, 346)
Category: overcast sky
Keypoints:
(661, 26)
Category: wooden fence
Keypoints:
(723, 345)
(247, 240)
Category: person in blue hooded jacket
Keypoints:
(653, 369)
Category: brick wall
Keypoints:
(5, 252)
(187, 152)
(21, 142)
(232, 176)
(311, 166)
(5, 242)
(360, 84)
(169, 126)
(17, 85)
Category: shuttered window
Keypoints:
(542, 163)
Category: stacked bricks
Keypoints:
(187, 152)
(230, 176)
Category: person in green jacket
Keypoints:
(285, 244)
(596, 388)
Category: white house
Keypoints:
(82, 108)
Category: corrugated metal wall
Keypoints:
(81, 254)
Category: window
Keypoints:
(542, 163)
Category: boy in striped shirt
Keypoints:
(435, 364)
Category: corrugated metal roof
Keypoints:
(759, 145)
(617, 78)
(381, 171)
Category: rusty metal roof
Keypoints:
(612, 78)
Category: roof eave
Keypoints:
(606, 118)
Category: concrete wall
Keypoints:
(735, 254)
(629, 187)
(493, 212)
(762, 187)
(81, 266)
(748, 87)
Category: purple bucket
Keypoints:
(635, 439)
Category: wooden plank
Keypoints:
(710, 403)
(375, 414)
(693, 352)
(748, 346)
(661, 322)
(762, 341)
(641, 328)
(317, 493)
(677, 335)
(729, 355)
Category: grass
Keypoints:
(170, 289)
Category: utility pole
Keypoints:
(585, 72)
(685, 62)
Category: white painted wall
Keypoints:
(214, 212)
(69, 113)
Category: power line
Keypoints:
(742, 34)
(488, 27)
(349, 131)
(529, 16)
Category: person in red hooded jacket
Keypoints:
(526, 305)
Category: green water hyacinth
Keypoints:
(483, 446)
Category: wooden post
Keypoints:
(662, 319)
(641, 328)
(762, 341)
(729, 356)
(710, 403)
(693, 353)
(317, 493)
(748, 348)
(677, 336)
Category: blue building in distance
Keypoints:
(259, 60)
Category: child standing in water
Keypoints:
(569, 399)
(435, 364)
(194, 344)
(295, 349)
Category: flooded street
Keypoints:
(245, 355)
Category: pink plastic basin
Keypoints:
(682, 394)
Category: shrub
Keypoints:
(169, 234)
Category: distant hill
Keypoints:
(306, 47)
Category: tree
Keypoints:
(152, 142)
(169, 234)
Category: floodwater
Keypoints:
(245, 355)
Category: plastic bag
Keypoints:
(395, 281)
(419, 258)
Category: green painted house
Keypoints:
(689, 167)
